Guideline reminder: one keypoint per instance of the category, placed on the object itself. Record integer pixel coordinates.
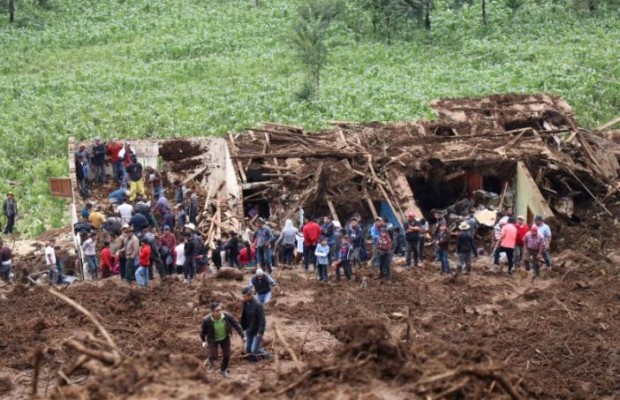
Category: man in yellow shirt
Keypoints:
(96, 218)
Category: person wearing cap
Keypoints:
(169, 219)
(9, 210)
(132, 253)
(545, 231)
(5, 262)
(263, 237)
(507, 241)
(50, 262)
(533, 248)
(90, 252)
(262, 284)
(442, 244)
(254, 323)
(311, 232)
(113, 149)
(522, 230)
(216, 332)
(464, 248)
(98, 151)
(142, 272)
(154, 178)
(412, 237)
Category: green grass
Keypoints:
(164, 68)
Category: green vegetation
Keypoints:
(163, 68)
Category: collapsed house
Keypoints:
(483, 154)
(523, 151)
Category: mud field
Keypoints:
(422, 335)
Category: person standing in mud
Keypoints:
(216, 332)
(442, 243)
(545, 231)
(384, 254)
(262, 284)
(412, 237)
(356, 239)
(533, 248)
(50, 262)
(263, 236)
(132, 252)
(254, 323)
(311, 232)
(464, 248)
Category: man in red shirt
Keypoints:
(522, 229)
(142, 273)
(113, 149)
(107, 260)
(312, 233)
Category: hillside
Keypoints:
(162, 68)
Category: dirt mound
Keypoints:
(175, 150)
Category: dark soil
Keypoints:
(175, 150)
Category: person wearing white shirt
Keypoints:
(90, 252)
(50, 261)
(179, 252)
(126, 211)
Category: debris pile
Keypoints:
(476, 144)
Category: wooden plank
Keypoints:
(296, 154)
(332, 209)
(609, 124)
(453, 175)
(233, 149)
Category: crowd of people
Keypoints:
(144, 234)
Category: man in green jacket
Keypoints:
(216, 332)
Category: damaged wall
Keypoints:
(529, 201)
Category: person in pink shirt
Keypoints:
(507, 242)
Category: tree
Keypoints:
(11, 6)
(309, 38)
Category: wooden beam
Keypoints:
(609, 124)
(332, 209)
(233, 149)
(296, 154)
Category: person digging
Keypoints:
(217, 332)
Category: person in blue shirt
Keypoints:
(118, 196)
(545, 232)
(263, 236)
(375, 233)
(322, 259)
